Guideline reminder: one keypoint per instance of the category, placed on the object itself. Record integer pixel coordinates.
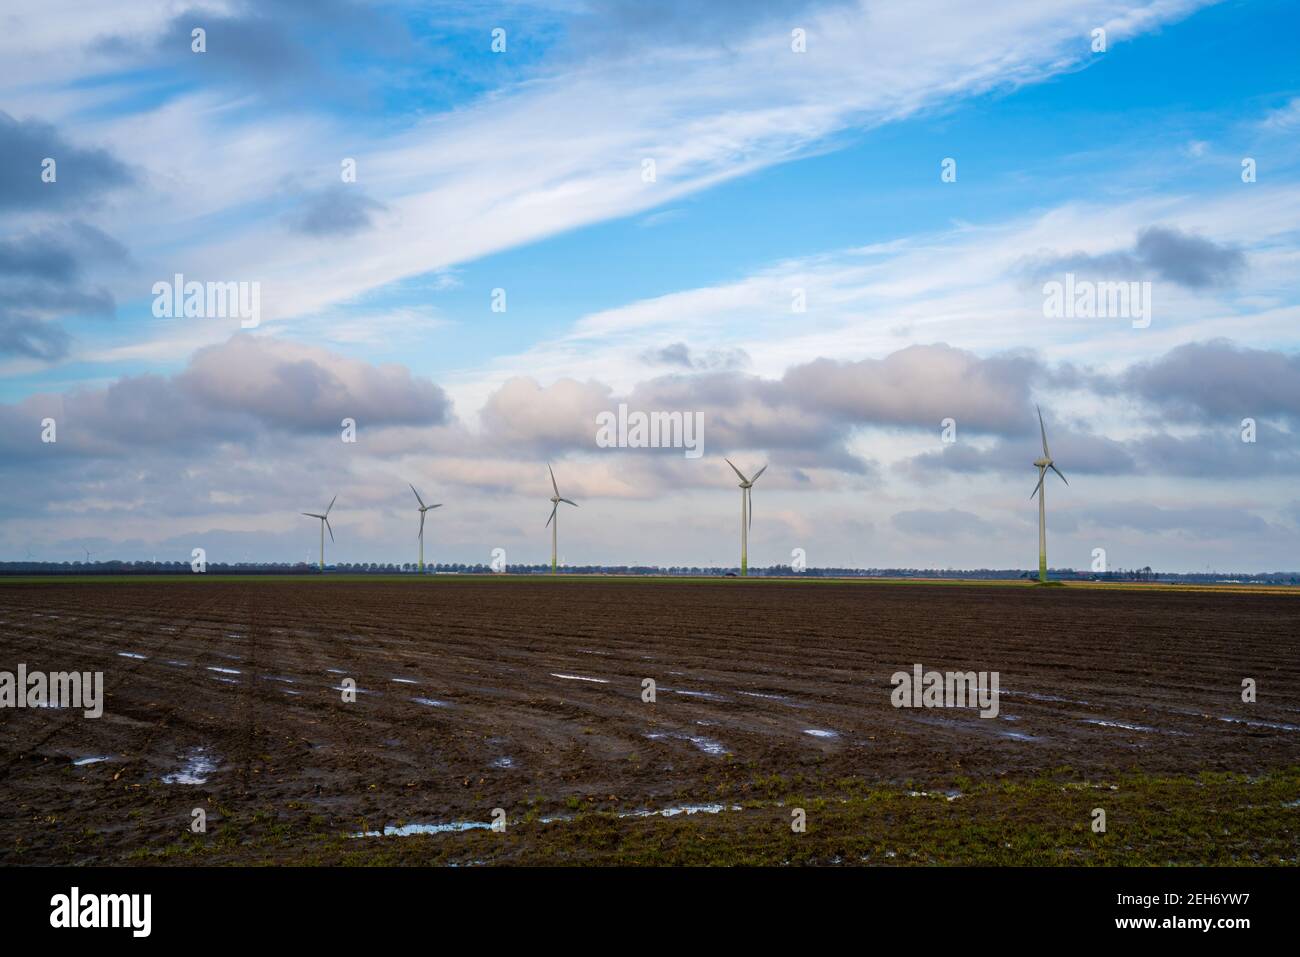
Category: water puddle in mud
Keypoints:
(406, 830)
(132, 654)
(821, 733)
(684, 809)
(454, 827)
(224, 671)
(503, 763)
(177, 664)
(82, 762)
(696, 694)
(198, 765)
(1275, 725)
(707, 745)
(405, 681)
(599, 681)
(432, 702)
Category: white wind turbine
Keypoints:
(324, 524)
(1043, 464)
(746, 513)
(555, 508)
(423, 508)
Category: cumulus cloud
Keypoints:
(919, 386)
(236, 392)
(1219, 379)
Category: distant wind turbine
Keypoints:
(1043, 464)
(746, 513)
(324, 524)
(555, 508)
(423, 508)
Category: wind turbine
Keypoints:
(423, 508)
(1043, 464)
(746, 513)
(555, 508)
(324, 524)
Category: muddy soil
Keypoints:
(474, 695)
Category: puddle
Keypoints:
(431, 702)
(707, 745)
(132, 654)
(290, 691)
(1118, 724)
(684, 809)
(599, 681)
(820, 733)
(406, 681)
(177, 664)
(224, 671)
(406, 830)
(1275, 725)
(1036, 696)
(82, 762)
(196, 769)
(357, 690)
(335, 671)
(503, 763)
(228, 681)
(697, 694)
(287, 681)
(1017, 736)
(766, 697)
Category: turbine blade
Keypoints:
(574, 504)
(439, 505)
(417, 495)
(553, 485)
(1039, 486)
(554, 508)
(313, 515)
(332, 501)
(757, 474)
(1059, 472)
(1043, 431)
(736, 470)
(330, 527)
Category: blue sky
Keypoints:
(776, 171)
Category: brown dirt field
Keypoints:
(1097, 681)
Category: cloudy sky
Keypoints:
(821, 228)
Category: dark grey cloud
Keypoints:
(1162, 252)
(341, 210)
(1218, 380)
(243, 392)
(605, 27)
(82, 174)
(919, 387)
(679, 354)
(277, 49)
(1193, 522)
(950, 523)
(42, 279)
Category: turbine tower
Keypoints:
(555, 508)
(1043, 464)
(746, 513)
(324, 524)
(423, 508)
